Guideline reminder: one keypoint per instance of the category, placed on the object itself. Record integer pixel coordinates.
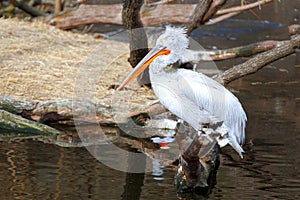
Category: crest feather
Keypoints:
(174, 38)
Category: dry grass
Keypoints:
(39, 62)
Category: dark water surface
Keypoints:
(271, 167)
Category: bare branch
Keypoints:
(259, 61)
(214, 7)
(247, 50)
(221, 18)
(243, 7)
(198, 15)
(158, 3)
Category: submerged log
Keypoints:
(199, 162)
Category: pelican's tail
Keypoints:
(225, 138)
(236, 147)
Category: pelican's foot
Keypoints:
(222, 130)
(201, 133)
(150, 103)
(222, 141)
(180, 121)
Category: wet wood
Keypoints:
(193, 170)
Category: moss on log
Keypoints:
(13, 123)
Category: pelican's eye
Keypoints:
(173, 66)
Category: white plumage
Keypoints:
(192, 96)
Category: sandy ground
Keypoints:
(39, 62)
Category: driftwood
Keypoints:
(150, 15)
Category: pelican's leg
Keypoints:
(182, 160)
(180, 125)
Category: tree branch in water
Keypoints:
(259, 61)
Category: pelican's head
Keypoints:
(169, 49)
(174, 39)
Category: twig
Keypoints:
(230, 12)
(221, 18)
(259, 61)
(158, 3)
(214, 7)
(243, 7)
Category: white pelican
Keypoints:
(191, 96)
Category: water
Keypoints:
(270, 170)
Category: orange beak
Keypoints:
(144, 63)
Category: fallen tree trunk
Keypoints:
(150, 15)
(56, 110)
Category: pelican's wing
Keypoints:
(174, 99)
(216, 99)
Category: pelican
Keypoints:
(193, 97)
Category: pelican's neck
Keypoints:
(160, 66)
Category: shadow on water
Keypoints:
(270, 169)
